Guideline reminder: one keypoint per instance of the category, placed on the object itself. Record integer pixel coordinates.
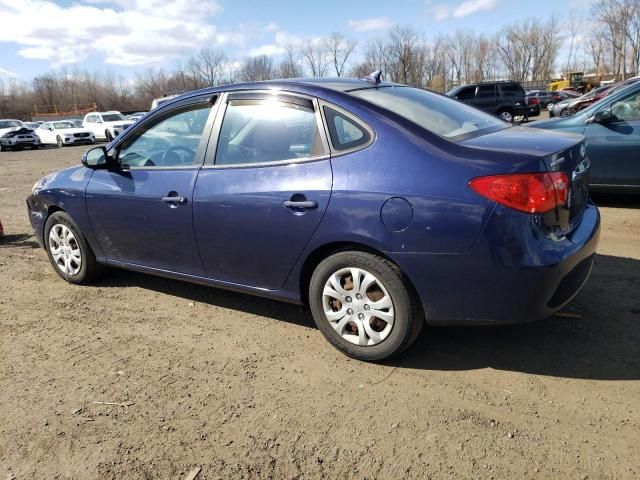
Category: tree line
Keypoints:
(604, 41)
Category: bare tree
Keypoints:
(339, 49)
(316, 57)
(208, 67)
(290, 66)
(257, 68)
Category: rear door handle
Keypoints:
(305, 205)
(175, 200)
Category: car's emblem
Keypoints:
(581, 169)
(556, 162)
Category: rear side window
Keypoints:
(512, 90)
(486, 91)
(264, 131)
(345, 133)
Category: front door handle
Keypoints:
(176, 200)
(302, 205)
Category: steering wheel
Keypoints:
(176, 148)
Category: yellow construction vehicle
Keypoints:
(576, 82)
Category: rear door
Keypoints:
(264, 188)
(614, 146)
(486, 98)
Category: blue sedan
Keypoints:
(612, 130)
(382, 207)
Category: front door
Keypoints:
(260, 198)
(614, 147)
(142, 213)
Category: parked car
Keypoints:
(136, 116)
(64, 133)
(19, 139)
(560, 96)
(541, 97)
(504, 99)
(369, 201)
(106, 125)
(612, 130)
(8, 125)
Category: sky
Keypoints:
(129, 36)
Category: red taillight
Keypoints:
(527, 192)
(533, 101)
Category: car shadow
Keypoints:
(616, 200)
(20, 240)
(596, 337)
(217, 297)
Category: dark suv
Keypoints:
(505, 99)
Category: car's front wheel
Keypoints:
(68, 250)
(364, 306)
(108, 136)
(59, 141)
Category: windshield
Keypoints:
(436, 113)
(10, 123)
(114, 117)
(63, 125)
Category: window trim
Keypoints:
(283, 96)
(160, 117)
(355, 119)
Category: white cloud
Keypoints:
(4, 73)
(367, 24)
(268, 50)
(272, 27)
(472, 6)
(124, 32)
(442, 12)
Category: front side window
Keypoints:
(433, 112)
(467, 93)
(627, 109)
(267, 130)
(171, 141)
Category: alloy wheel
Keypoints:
(65, 249)
(358, 306)
(506, 116)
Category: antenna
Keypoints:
(375, 77)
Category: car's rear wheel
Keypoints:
(506, 115)
(364, 306)
(59, 141)
(108, 136)
(550, 106)
(68, 250)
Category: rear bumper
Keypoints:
(512, 275)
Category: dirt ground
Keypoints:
(247, 388)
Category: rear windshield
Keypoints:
(436, 113)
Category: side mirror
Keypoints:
(602, 116)
(96, 158)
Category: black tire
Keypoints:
(108, 136)
(408, 320)
(505, 113)
(59, 141)
(89, 267)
